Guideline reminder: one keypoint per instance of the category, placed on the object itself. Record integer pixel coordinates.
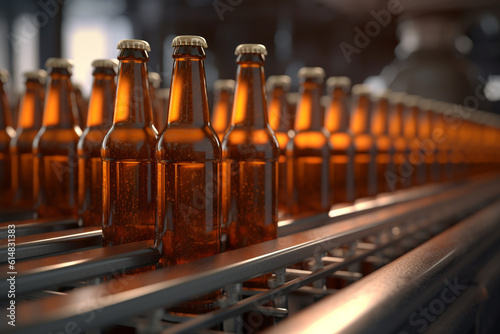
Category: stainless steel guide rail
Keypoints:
(377, 236)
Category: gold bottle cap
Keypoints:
(412, 100)
(59, 63)
(137, 44)
(250, 48)
(426, 104)
(36, 75)
(106, 63)
(154, 79)
(189, 40)
(224, 85)
(279, 81)
(4, 75)
(397, 97)
(338, 82)
(312, 72)
(361, 89)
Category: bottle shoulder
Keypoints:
(123, 142)
(248, 144)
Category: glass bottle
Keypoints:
(99, 120)
(365, 168)
(250, 157)
(21, 146)
(223, 105)
(55, 168)
(411, 129)
(341, 139)
(428, 144)
(311, 150)
(277, 88)
(5, 139)
(128, 151)
(404, 170)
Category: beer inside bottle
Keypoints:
(277, 87)
(365, 169)
(403, 168)
(311, 149)
(188, 159)
(129, 174)
(411, 128)
(21, 147)
(5, 139)
(425, 136)
(386, 173)
(99, 120)
(55, 170)
(223, 105)
(250, 156)
(341, 139)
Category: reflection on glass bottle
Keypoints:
(21, 147)
(55, 168)
(341, 139)
(250, 157)
(277, 88)
(128, 150)
(99, 120)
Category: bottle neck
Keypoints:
(58, 111)
(396, 124)
(31, 108)
(102, 99)
(133, 104)
(361, 115)
(250, 106)
(222, 111)
(380, 118)
(188, 94)
(278, 109)
(5, 120)
(337, 116)
(309, 115)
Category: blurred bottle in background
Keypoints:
(404, 170)
(223, 105)
(411, 128)
(5, 159)
(154, 80)
(81, 106)
(162, 97)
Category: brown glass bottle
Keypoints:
(426, 140)
(250, 157)
(55, 168)
(5, 139)
(188, 156)
(341, 139)
(403, 168)
(99, 120)
(292, 99)
(386, 173)
(128, 150)
(223, 106)
(154, 80)
(81, 106)
(277, 87)
(365, 168)
(411, 128)
(442, 138)
(310, 147)
(21, 146)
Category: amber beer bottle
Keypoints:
(55, 168)
(386, 174)
(277, 87)
(365, 168)
(250, 157)
(223, 106)
(310, 147)
(292, 99)
(411, 129)
(99, 120)
(404, 170)
(188, 156)
(5, 139)
(426, 140)
(21, 146)
(128, 149)
(81, 106)
(341, 139)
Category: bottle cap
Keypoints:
(292, 98)
(279, 81)
(412, 100)
(163, 93)
(250, 48)
(360, 89)
(154, 79)
(190, 40)
(4, 75)
(137, 44)
(224, 85)
(106, 63)
(311, 72)
(397, 97)
(59, 63)
(425, 104)
(385, 94)
(338, 82)
(36, 75)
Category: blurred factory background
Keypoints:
(447, 50)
